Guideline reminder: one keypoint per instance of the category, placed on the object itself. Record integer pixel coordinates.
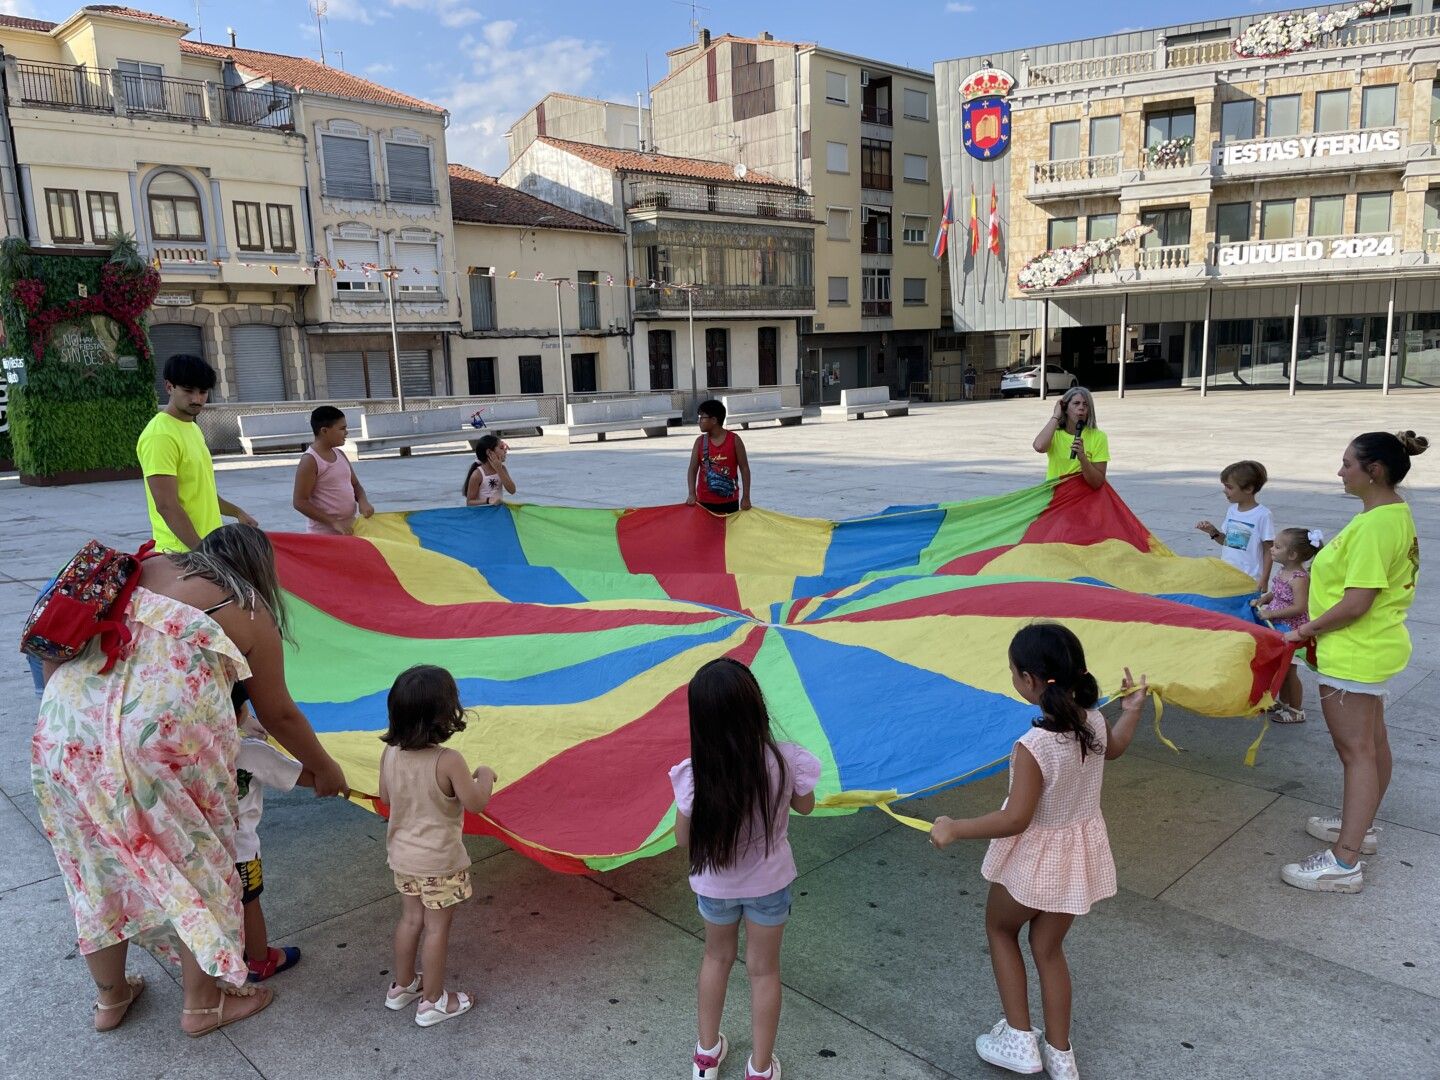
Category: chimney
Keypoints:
(765, 35)
(231, 31)
(704, 38)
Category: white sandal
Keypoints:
(431, 1013)
(397, 997)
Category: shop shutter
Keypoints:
(416, 374)
(344, 375)
(409, 173)
(257, 364)
(377, 366)
(170, 340)
(347, 168)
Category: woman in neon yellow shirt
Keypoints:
(1074, 412)
(1361, 584)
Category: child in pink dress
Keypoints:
(1286, 606)
(733, 798)
(1049, 858)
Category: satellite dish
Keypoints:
(740, 171)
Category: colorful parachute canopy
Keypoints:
(880, 642)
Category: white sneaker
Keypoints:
(1321, 873)
(1059, 1064)
(707, 1066)
(1018, 1051)
(1328, 829)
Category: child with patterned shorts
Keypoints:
(259, 765)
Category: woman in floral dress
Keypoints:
(134, 773)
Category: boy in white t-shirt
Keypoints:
(1249, 528)
(259, 765)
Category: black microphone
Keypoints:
(1079, 431)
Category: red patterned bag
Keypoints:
(87, 599)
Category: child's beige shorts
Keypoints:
(436, 891)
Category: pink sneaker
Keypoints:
(707, 1066)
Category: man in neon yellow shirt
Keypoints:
(179, 475)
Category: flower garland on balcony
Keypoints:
(1281, 35)
(1064, 265)
(1170, 153)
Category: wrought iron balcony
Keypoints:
(358, 190)
(874, 309)
(736, 200)
(64, 85)
(876, 245)
(874, 114)
(675, 298)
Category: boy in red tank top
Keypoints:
(719, 476)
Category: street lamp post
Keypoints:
(559, 284)
(690, 313)
(390, 275)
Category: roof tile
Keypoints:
(481, 199)
(663, 164)
(303, 73)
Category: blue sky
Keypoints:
(489, 62)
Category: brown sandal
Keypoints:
(137, 987)
(227, 992)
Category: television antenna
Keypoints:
(319, 8)
(694, 17)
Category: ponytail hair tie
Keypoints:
(1316, 538)
(1049, 682)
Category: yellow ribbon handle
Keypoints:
(1254, 750)
(842, 800)
(1159, 712)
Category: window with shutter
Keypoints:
(349, 259)
(407, 174)
(419, 266)
(417, 376)
(347, 168)
(257, 364)
(588, 286)
(482, 298)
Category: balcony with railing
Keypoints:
(876, 181)
(124, 93)
(1074, 177)
(1432, 242)
(1163, 257)
(676, 299)
(1170, 154)
(1358, 36)
(876, 245)
(874, 309)
(357, 190)
(877, 114)
(735, 201)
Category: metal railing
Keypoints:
(874, 114)
(415, 196)
(1163, 257)
(876, 181)
(876, 245)
(271, 107)
(160, 95)
(874, 309)
(728, 298)
(350, 189)
(1085, 168)
(739, 201)
(61, 84)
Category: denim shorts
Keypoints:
(772, 909)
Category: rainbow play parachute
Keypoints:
(879, 641)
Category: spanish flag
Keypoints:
(974, 225)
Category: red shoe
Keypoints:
(276, 961)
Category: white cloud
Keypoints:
(22, 8)
(379, 69)
(509, 72)
(449, 13)
(358, 11)
(959, 9)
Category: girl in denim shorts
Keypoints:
(732, 801)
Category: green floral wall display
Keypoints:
(77, 321)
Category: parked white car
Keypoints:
(1025, 379)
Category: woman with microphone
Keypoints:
(1071, 440)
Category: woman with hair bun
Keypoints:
(1361, 585)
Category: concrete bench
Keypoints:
(661, 406)
(615, 414)
(505, 417)
(284, 430)
(420, 427)
(747, 409)
(855, 403)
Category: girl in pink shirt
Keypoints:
(732, 801)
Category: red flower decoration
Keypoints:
(123, 297)
(30, 292)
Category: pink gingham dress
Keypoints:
(1062, 861)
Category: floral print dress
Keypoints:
(134, 773)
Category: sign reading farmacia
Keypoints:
(1309, 146)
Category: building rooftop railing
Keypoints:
(125, 93)
(703, 198)
(1361, 34)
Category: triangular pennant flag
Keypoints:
(512, 274)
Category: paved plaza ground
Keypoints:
(1204, 966)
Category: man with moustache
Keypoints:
(179, 475)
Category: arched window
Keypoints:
(175, 209)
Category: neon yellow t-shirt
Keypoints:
(1058, 459)
(1378, 549)
(170, 447)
